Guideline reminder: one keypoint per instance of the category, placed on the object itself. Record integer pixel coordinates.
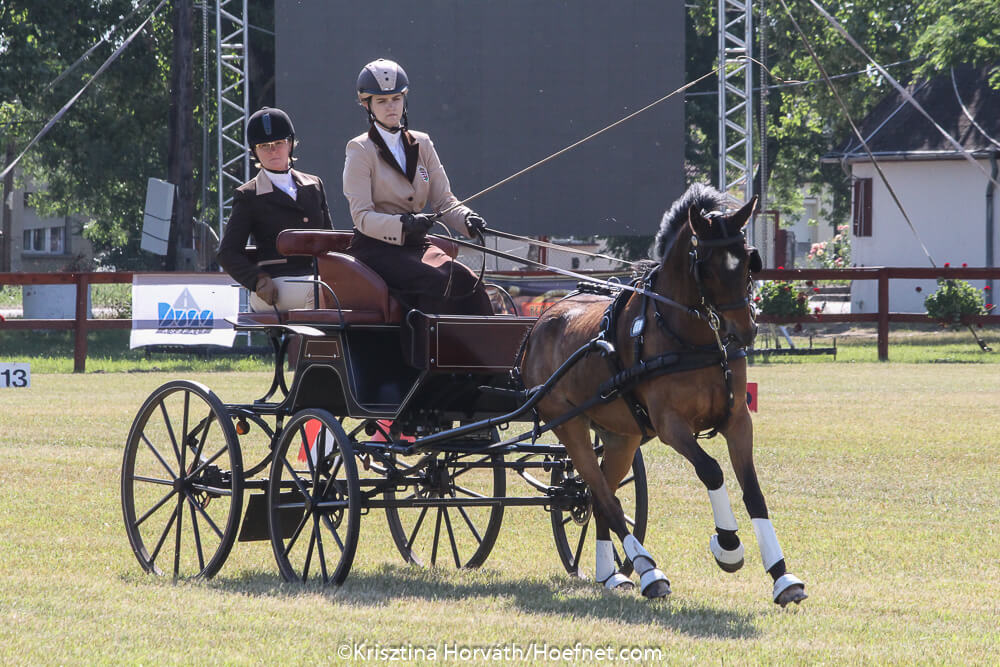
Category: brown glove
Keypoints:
(266, 289)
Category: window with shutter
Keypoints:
(862, 207)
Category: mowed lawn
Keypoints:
(881, 480)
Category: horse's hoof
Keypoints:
(658, 589)
(789, 588)
(729, 567)
(730, 560)
(618, 582)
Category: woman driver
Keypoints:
(391, 174)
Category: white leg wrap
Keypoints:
(721, 509)
(783, 582)
(650, 576)
(770, 550)
(733, 557)
(605, 561)
(641, 560)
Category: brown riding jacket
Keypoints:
(262, 210)
(378, 191)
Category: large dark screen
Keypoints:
(500, 85)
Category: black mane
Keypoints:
(704, 196)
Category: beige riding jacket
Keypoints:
(378, 191)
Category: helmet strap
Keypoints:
(372, 120)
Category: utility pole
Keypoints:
(180, 152)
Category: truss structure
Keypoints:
(736, 98)
(232, 99)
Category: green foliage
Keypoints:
(779, 297)
(913, 38)
(953, 301)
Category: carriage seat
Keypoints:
(362, 295)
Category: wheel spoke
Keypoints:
(207, 423)
(309, 551)
(320, 555)
(155, 507)
(209, 461)
(177, 542)
(416, 527)
(184, 430)
(201, 510)
(333, 531)
(197, 536)
(156, 453)
(437, 535)
(170, 431)
(451, 538)
(163, 538)
(297, 533)
(472, 527)
(468, 492)
(579, 544)
(628, 480)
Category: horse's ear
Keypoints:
(739, 219)
(696, 220)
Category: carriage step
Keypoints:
(255, 518)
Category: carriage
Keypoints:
(411, 413)
(403, 412)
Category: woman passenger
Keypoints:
(278, 198)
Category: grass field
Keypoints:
(880, 479)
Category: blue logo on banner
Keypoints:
(184, 314)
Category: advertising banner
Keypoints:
(183, 309)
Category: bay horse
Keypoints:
(674, 361)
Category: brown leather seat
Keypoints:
(361, 294)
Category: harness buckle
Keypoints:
(638, 326)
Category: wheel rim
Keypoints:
(182, 482)
(573, 528)
(314, 500)
(461, 534)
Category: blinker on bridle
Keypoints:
(697, 262)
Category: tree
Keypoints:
(922, 37)
(96, 160)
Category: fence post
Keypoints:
(80, 326)
(883, 314)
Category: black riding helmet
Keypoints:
(269, 124)
(382, 77)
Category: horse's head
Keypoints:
(721, 263)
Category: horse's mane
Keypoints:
(704, 196)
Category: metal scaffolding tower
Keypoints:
(232, 99)
(736, 97)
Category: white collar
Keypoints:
(392, 139)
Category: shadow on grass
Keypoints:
(558, 594)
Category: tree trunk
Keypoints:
(7, 247)
(180, 153)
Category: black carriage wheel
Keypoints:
(182, 482)
(573, 529)
(313, 500)
(462, 532)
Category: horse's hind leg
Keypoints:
(739, 437)
(575, 435)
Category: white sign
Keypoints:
(156, 216)
(183, 309)
(15, 375)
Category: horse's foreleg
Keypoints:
(725, 544)
(739, 437)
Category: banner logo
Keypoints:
(184, 316)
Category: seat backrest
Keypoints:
(316, 242)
